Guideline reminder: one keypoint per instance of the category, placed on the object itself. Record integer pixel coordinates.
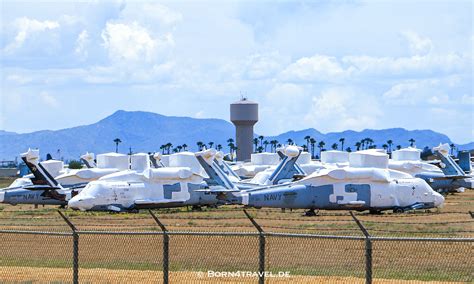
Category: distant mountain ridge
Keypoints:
(146, 132)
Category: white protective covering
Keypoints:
(264, 159)
(32, 155)
(406, 154)
(373, 174)
(368, 159)
(140, 162)
(334, 156)
(89, 157)
(304, 158)
(165, 160)
(54, 167)
(113, 161)
(186, 159)
(413, 167)
(170, 173)
(443, 149)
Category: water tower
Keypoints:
(244, 115)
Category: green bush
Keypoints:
(75, 164)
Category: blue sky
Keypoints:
(331, 65)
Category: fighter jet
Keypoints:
(131, 190)
(452, 178)
(359, 187)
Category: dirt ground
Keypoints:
(120, 258)
(62, 275)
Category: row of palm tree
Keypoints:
(261, 145)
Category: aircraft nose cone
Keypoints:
(79, 203)
(439, 199)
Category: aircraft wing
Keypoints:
(40, 187)
(159, 201)
(449, 177)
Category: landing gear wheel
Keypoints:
(196, 208)
(398, 210)
(311, 213)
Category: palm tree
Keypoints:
(358, 145)
(412, 142)
(305, 148)
(168, 147)
(260, 149)
(389, 143)
(334, 146)
(273, 144)
(117, 141)
(348, 149)
(312, 142)
(289, 141)
(399, 147)
(362, 144)
(255, 143)
(385, 147)
(179, 148)
(231, 147)
(452, 146)
(200, 145)
(261, 139)
(321, 146)
(210, 144)
(342, 143)
(184, 147)
(307, 138)
(369, 143)
(265, 144)
(162, 148)
(219, 147)
(175, 150)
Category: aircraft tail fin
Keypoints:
(41, 175)
(219, 159)
(465, 161)
(448, 165)
(88, 160)
(216, 175)
(288, 167)
(155, 160)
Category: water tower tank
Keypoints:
(244, 115)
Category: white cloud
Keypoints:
(132, 42)
(150, 13)
(264, 65)
(316, 68)
(417, 43)
(427, 91)
(331, 69)
(341, 108)
(26, 27)
(81, 42)
(48, 100)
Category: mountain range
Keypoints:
(146, 132)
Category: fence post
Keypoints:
(368, 250)
(261, 253)
(75, 249)
(166, 247)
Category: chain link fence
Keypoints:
(245, 248)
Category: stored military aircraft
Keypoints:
(131, 190)
(452, 178)
(44, 190)
(221, 174)
(350, 188)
